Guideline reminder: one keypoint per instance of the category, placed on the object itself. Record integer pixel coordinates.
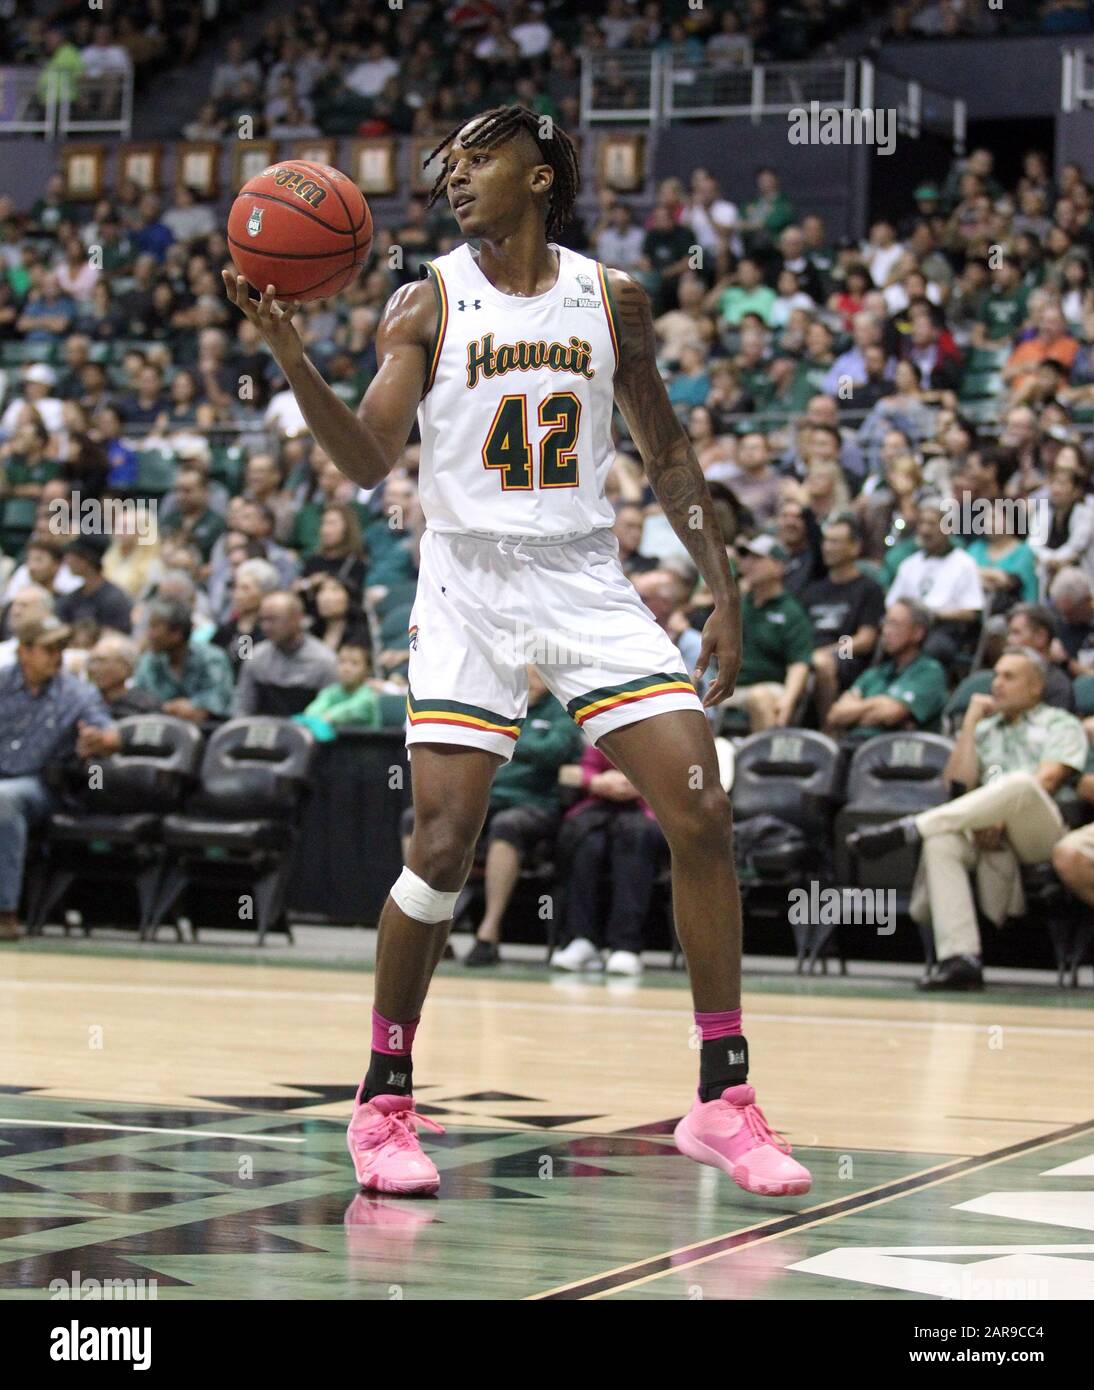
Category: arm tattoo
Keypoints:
(667, 454)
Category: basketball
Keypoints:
(304, 228)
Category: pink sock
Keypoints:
(394, 1039)
(724, 1024)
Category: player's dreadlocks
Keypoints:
(501, 124)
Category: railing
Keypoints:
(660, 86)
(36, 101)
(1077, 79)
(692, 91)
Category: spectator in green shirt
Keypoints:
(905, 691)
(768, 213)
(191, 680)
(64, 67)
(24, 467)
(776, 639)
(1005, 307)
(748, 296)
(353, 700)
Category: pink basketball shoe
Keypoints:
(387, 1156)
(732, 1134)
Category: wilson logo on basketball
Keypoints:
(298, 183)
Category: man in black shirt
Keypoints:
(845, 608)
(97, 599)
(665, 251)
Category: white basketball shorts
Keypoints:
(485, 608)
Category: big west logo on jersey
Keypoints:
(484, 360)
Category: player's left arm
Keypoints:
(676, 478)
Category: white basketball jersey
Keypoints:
(516, 416)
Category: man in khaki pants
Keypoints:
(1017, 752)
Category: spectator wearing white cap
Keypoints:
(776, 639)
(38, 383)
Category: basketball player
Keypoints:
(511, 357)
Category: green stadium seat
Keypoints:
(979, 683)
(156, 473)
(17, 354)
(981, 385)
(392, 711)
(986, 359)
(983, 412)
(17, 516)
(227, 465)
(1084, 696)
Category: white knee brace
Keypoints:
(415, 897)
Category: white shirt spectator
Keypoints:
(879, 260)
(64, 582)
(191, 222)
(532, 38)
(101, 59)
(367, 79)
(49, 408)
(621, 250)
(943, 583)
(896, 296)
(79, 282)
(277, 108)
(227, 76)
(730, 50)
(616, 28)
(709, 224)
(1077, 549)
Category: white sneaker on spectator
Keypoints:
(624, 963)
(580, 954)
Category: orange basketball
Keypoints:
(304, 228)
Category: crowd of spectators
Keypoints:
(87, 56)
(959, 19)
(893, 430)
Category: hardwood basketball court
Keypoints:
(179, 1115)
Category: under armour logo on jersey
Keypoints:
(462, 304)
